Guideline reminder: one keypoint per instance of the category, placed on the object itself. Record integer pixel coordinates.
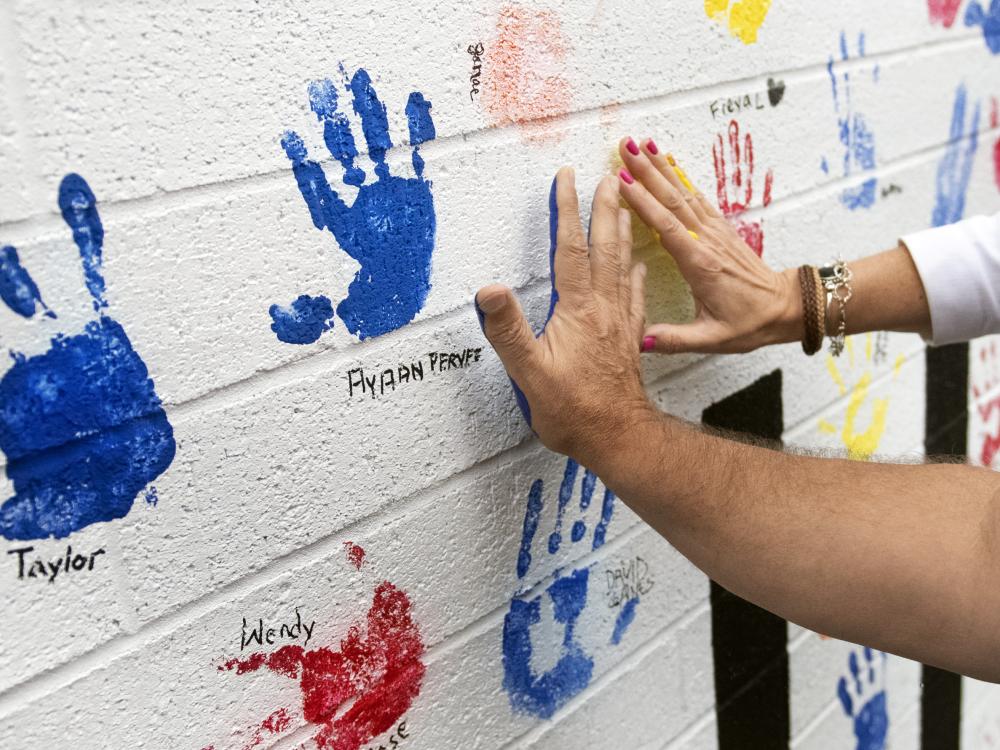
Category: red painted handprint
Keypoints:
(994, 124)
(943, 11)
(740, 181)
(986, 379)
(360, 691)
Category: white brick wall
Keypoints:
(173, 113)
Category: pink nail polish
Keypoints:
(627, 178)
(651, 147)
(632, 147)
(648, 344)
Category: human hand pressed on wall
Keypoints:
(740, 303)
(579, 381)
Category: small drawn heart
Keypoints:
(775, 91)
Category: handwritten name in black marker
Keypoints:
(890, 189)
(392, 741)
(50, 569)
(735, 105)
(262, 635)
(628, 579)
(476, 50)
(388, 379)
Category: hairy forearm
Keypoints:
(888, 295)
(902, 558)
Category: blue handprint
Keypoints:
(855, 135)
(955, 170)
(542, 695)
(975, 15)
(389, 229)
(862, 697)
(81, 425)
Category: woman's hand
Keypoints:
(740, 303)
(579, 382)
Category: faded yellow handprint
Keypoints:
(743, 17)
(861, 446)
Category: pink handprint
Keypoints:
(740, 182)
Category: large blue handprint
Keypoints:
(955, 170)
(543, 694)
(976, 15)
(855, 135)
(862, 697)
(389, 229)
(81, 425)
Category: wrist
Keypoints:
(788, 324)
(615, 454)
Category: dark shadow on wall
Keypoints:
(945, 431)
(749, 645)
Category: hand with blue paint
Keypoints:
(989, 20)
(592, 334)
(81, 425)
(542, 694)
(862, 696)
(389, 229)
(855, 134)
(955, 169)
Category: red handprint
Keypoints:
(741, 180)
(376, 674)
(986, 379)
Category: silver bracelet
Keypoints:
(836, 280)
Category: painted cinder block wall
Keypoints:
(265, 483)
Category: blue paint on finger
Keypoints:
(81, 425)
(553, 242)
(336, 129)
(625, 617)
(565, 493)
(531, 515)
(303, 321)
(954, 171)
(17, 289)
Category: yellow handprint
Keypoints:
(860, 445)
(743, 17)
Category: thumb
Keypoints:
(666, 338)
(506, 328)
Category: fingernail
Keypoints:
(493, 303)
(627, 178)
(694, 235)
(648, 344)
(632, 147)
(651, 147)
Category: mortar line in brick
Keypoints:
(691, 731)
(606, 680)
(678, 99)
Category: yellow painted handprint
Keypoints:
(860, 445)
(743, 17)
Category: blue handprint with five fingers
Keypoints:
(975, 15)
(955, 169)
(81, 425)
(543, 694)
(855, 135)
(389, 229)
(862, 697)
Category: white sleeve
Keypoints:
(959, 266)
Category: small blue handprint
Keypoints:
(543, 694)
(81, 425)
(855, 134)
(976, 15)
(955, 169)
(862, 696)
(389, 229)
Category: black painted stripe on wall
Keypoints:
(945, 430)
(749, 645)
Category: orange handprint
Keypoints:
(741, 183)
